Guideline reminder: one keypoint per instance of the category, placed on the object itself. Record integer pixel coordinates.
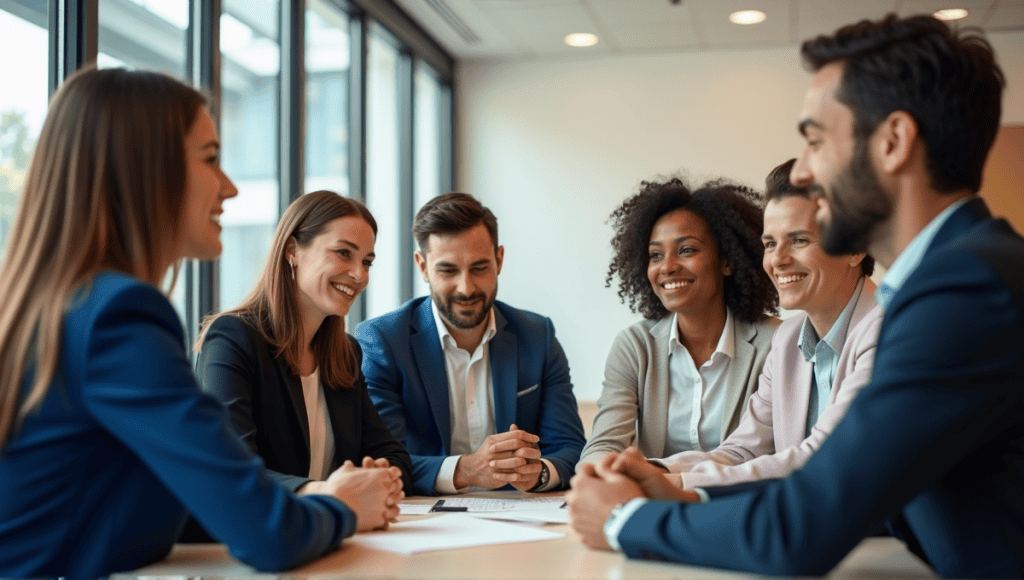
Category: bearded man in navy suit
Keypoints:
(898, 121)
(478, 391)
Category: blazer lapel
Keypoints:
(654, 407)
(298, 404)
(740, 368)
(504, 374)
(426, 351)
(799, 397)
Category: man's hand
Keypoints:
(652, 479)
(510, 457)
(372, 493)
(596, 490)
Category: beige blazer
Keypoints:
(633, 407)
(770, 441)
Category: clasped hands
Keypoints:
(616, 479)
(511, 457)
(372, 491)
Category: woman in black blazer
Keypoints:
(282, 362)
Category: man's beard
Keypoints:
(447, 309)
(857, 205)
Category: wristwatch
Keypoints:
(543, 478)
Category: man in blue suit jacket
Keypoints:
(898, 121)
(478, 391)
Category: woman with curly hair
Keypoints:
(690, 263)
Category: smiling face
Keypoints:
(206, 188)
(462, 271)
(334, 268)
(806, 277)
(684, 267)
(836, 164)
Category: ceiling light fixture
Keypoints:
(951, 14)
(581, 39)
(748, 17)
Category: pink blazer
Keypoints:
(769, 441)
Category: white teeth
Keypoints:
(674, 285)
(344, 289)
(793, 278)
(215, 218)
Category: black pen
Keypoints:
(440, 507)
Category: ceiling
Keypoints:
(535, 29)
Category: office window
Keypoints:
(427, 183)
(250, 78)
(22, 101)
(382, 171)
(145, 34)
(327, 77)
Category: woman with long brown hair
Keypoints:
(106, 441)
(281, 361)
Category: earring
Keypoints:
(292, 264)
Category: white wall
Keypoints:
(552, 147)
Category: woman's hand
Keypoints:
(372, 493)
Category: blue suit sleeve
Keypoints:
(931, 405)
(561, 430)
(139, 387)
(384, 384)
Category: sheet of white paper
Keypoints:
(540, 516)
(414, 509)
(475, 504)
(447, 532)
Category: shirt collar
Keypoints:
(726, 342)
(835, 338)
(446, 337)
(908, 260)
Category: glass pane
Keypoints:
(22, 101)
(382, 192)
(427, 147)
(147, 34)
(251, 60)
(327, 71)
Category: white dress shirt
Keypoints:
(470, 401)
(695, 406)
(321, 434)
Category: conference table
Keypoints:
(554, 559)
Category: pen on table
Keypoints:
(440, 507)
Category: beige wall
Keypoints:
(553, 146)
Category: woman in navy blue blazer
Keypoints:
(106, 441)
(282, 362)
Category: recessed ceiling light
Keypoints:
(747, 17)
(581, 39)
(951, 14)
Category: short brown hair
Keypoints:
(777, 186)
(452, 213)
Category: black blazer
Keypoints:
(264, 399)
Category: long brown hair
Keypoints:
(272, 306)
(105, 190)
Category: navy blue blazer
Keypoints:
(935, 443)
(101, 477)
(406, 377)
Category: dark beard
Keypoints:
(447, 310)
(857, 205)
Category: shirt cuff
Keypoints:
(444, 484)
(553, 478)
(704, 497)
(616, 522)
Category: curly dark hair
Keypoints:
(734, 215)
